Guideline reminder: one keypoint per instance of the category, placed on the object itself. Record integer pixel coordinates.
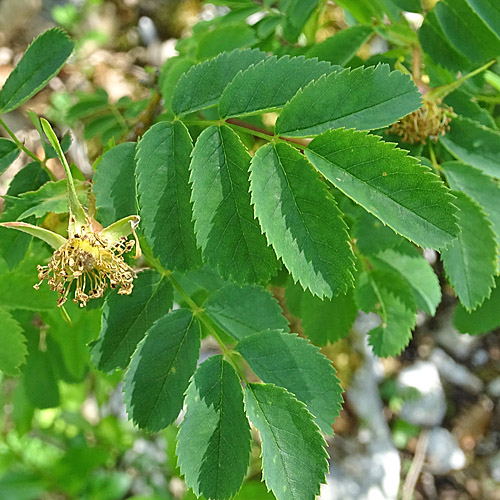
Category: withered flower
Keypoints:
(90, 258)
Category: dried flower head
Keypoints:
(428, 122)
(90, 261)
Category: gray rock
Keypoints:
(429, 408)
(459, 344)
(366, 467)
(443, 452)
(455, 373)
(494, 388)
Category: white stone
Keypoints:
(443, 452)
(429, 408)
(455, 373)
(494, 388)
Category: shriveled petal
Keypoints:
(53, 239)
(122, 228)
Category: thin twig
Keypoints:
(416, 466)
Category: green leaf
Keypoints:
(8, 153)
(475, 144)
(342, 46)
(418, 274)
(295, 16)
(326, 320)
(25, 297)
(484, 319)
(114, 184)
(126, 319)
(227, 232)
(470, 263)
(394, 187)
(372, 236)
(51, 197)
(363, 10)
(171, 71)
(269, 85)
(202, 86)
(14, 350)
(40, 63)
(160, 370)
(238, 35)
(463, 104)
(394, 333)
(436, 43)
(489, 11)
(214, 437)
(364, 98)
(163, 158)
(467, 32)
(29, 178)
(481, 188)
(294, 460)
(233, 309)
(301, 220)
(289, 361)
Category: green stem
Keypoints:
(19, 144)
(434, 161)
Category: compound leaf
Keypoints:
(42, 60)
(386, 182)
(160, 370)
(227, 232)
(233, 308)
(470, 263)
(163, 158)
(364, 98)
(126, 319)
(214, 437)
(269, 85)
(202, 86)
(301, 220)
(294, 460)
(289, 361)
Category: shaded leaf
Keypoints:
(126, 319)
(294, 460)
(114, 184)
(484, 319)
(295, 16)
(227, 232)
(233, 308)
(301, 220)
(160, 370)
(214, 437)
(163, 158)
(386, 182)
(14, 350)
(342, 46)
(8, 153)
(289, 361)
(474, 144)
(364, 98)
(470, 263)
(238, 35)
